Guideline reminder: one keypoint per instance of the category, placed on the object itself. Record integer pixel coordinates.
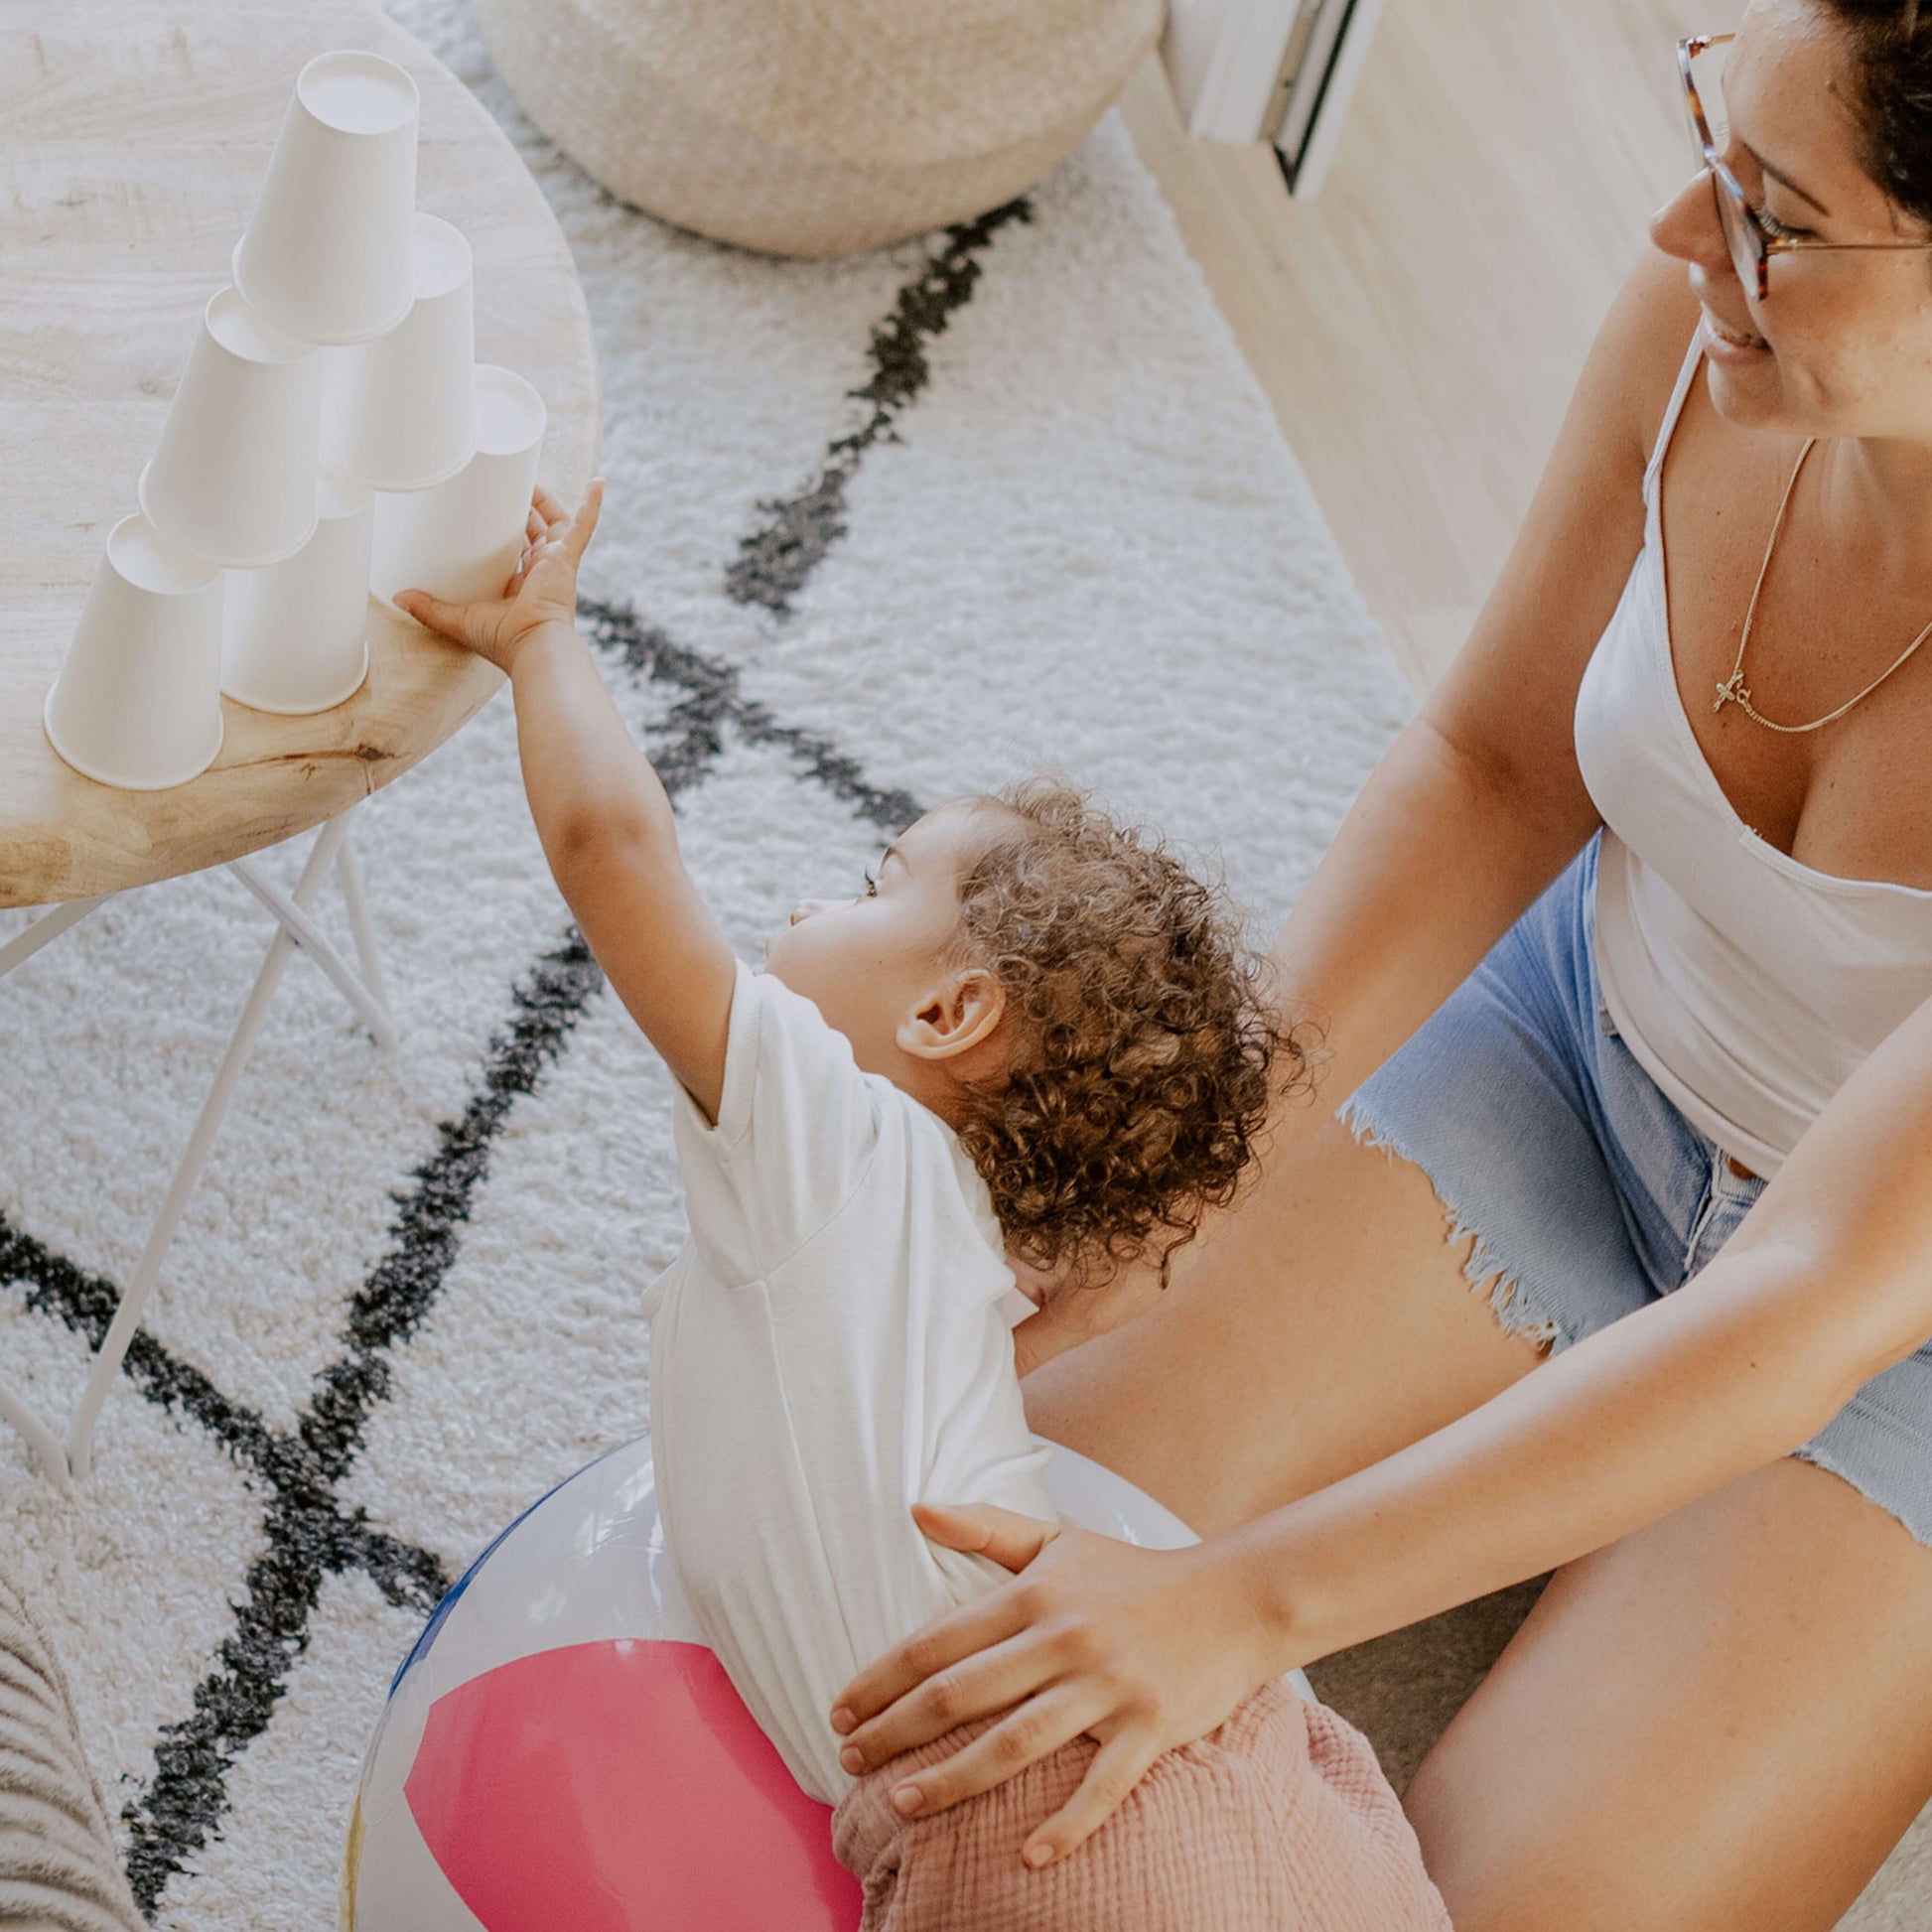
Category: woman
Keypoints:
(1719, 1714)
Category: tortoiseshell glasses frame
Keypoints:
(1753, 235)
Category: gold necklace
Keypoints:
(1734, 691)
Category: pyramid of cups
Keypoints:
(332, 437)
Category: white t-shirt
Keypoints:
(830, 1348)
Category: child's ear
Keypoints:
(961, 1012)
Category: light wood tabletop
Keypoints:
(133, 136)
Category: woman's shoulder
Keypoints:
(1639, 354)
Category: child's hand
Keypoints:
(543, 590)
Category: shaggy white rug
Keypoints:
(878, 530)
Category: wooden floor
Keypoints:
(1420, 325)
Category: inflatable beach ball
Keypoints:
(562, 1751)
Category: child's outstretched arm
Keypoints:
(600, 809)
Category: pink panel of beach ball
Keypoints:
(622, 1788)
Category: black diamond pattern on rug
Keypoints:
(774, 561)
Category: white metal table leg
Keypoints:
(127, 1317)
(366, 996)
(46, 1445)
(311, 938)
(49, 926)
(348, 870)
(42, 1440)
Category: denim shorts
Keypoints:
(1587, 1193)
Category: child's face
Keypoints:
(871, 962)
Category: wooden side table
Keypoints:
(133, 136)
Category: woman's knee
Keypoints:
(1724, 1720)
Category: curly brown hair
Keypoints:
(1144, 1052)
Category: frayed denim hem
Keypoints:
(1485, 1270)
(1821, 1458)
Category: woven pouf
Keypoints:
(815, 127)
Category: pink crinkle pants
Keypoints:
(1280, 1820)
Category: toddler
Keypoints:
(1032, 1033)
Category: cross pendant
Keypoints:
(1733, 691)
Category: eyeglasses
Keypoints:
(1753, 235)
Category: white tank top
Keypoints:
(1747, 985)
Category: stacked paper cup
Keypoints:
(330, 420)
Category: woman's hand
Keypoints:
(542, 591)
(1141, 1649)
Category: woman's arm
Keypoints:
(1825, 1284)
(1479, 804)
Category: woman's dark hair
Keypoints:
(1147, 1051)
(1892, 54)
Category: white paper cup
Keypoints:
(326, 253)
(234, 476)
(462, 539)
(138, 701)
(295, 637)
(397, 413)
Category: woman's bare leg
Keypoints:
(1723, 1720)
(1323, 1326)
